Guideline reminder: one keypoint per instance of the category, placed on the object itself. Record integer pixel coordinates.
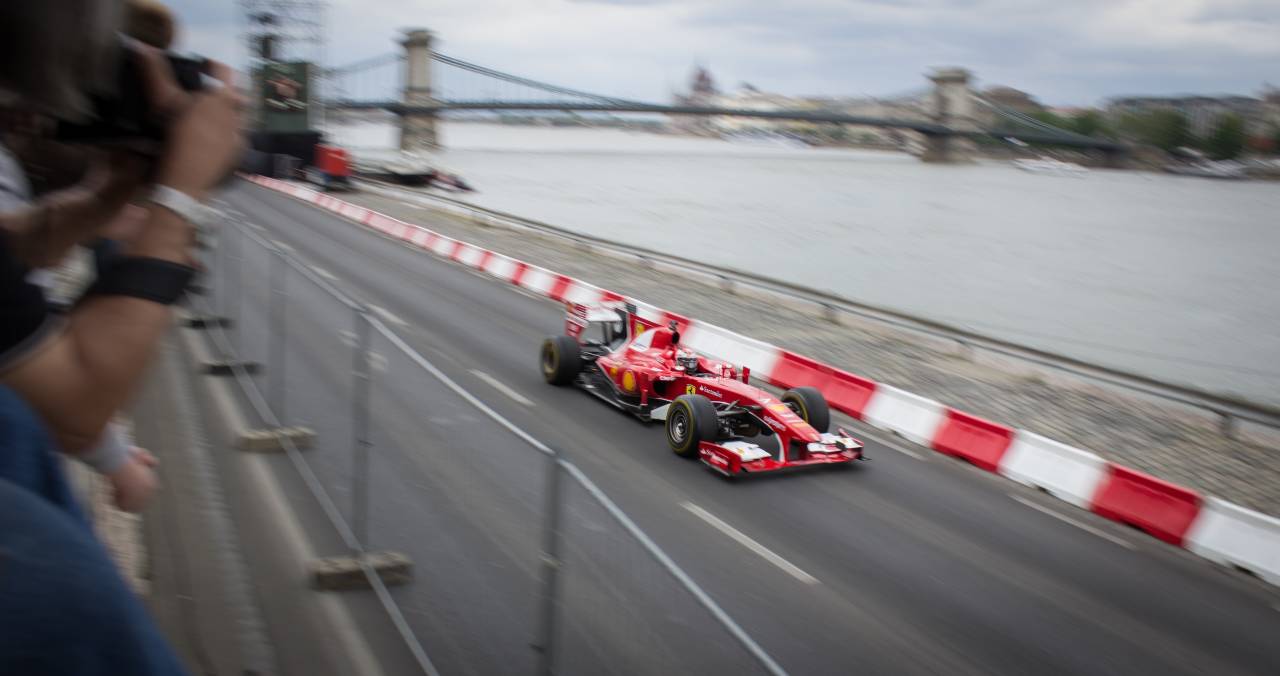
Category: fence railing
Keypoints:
(1229, 409)
(523, 563)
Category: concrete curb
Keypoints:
(1172, 513)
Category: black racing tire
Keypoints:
(561, 360)
(810, 405)
(690, 421)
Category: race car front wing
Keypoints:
(742, 457)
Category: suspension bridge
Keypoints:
(418, 84)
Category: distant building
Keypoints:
(1202, 112)
(702, 92)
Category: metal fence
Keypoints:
(522, 563)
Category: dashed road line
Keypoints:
(885, 441)
(757, 548)
(387, 315)
(1082, 526)
(502, 387)
(282, 246)
(323, 273)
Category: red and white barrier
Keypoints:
(1214, 529)
(1158, 507)
(1234, 536)
(1065, 472)
(974, 439)
(909, 415)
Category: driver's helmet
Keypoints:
(687, 360)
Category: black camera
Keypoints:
(124, 117)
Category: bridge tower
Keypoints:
(417, 130)
(951, 105)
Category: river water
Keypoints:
(1174, 277)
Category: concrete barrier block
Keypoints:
(1066, 472)
(910, 416)
(271, 440)
(338, 573)
(1233, 536)
(228, 367)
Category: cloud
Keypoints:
(1064, 52)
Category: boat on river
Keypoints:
(408, 168)
(1209, 169)
(1051, 166)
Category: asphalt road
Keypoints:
(909, 563)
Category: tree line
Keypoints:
(1168, 130)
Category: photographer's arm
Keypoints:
(79, 378)
(83, 375)
(42, 234)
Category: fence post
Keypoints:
(360, 432)
(234, 277)
(545, 645)
(275, 355)
(216, 284)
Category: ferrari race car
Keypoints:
(709, 409)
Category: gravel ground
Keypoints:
(1169, 441)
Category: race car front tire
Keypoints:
(690, 421)
(561, 360)
(810, 405)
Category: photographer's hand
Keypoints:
(43, 233)
(204, 138)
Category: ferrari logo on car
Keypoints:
(690, 389)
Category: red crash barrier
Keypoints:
(793, 370)
(560, 288)
(849, 394)
(845, 392)
(1158, 507)
(979, 441)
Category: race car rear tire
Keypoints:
(690, 421)
(561, 360)
(810, 405)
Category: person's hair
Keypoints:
(54, 53)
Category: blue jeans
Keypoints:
(64, 609)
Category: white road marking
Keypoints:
(323, 273)
(501, 387)
(388, 315)
(884, 441)
(282, 246)
(759, 549)
(1082, 526)
(378, 362)
(348, 338)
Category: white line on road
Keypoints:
(282, 246)
(1082, 526)
(388, 315)
(886, 441)
(739, 537)
(502, 387)
(323, 273)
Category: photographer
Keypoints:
(77, 372)
(67, 610)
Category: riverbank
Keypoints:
(1169, 441)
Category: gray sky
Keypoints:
(1062, 51)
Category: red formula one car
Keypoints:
(709, 409)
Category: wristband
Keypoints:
(110, 453)
(152, 279)
(185, 206)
